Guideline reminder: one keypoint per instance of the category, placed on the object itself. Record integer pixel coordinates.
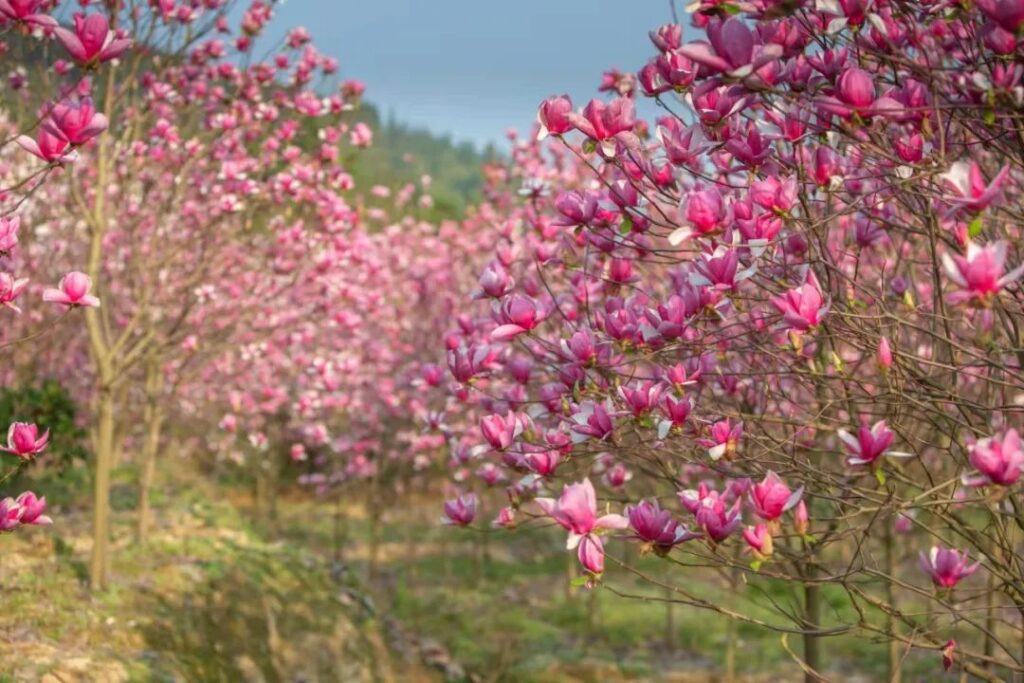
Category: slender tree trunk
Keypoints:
(732, 627)
(895, 675)
(153, 417)
(100, 562)
(812, 620)
(670, 622)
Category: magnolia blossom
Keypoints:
(24, 441)
(969, 188)
(804, 307)
(947, 567)
(772, 497)
(11, 289)
(460, 511)
(979, 274)
(32, 509)
(72, 290)
(870, 444)
(92, 42)
(576, 511)
(998, 459)
(759, 540)
(656, 527)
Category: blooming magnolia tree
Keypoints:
(777, 330)
(51, 120)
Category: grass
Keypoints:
(218, 594)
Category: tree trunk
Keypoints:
(153, 417)
(100, 562)
(812, 620)
(895, 676)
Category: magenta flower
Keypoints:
(641, 398)
(32, 509)
(656, 527)
(804, 307)
(869, 445)
(500, 431)
(592, 420)
(517, 315)
(24, 441)
(884, 354)
(92, 42)
(553, 116)
(732, 49)
(759, 540)
(979, 274)
(772, 497)
(725, 439)
(713, 515)
(47, 146)
(72, 290)
(11, 289)
(1008, 14)
(9, 227)
(460, 511)
(591, 554)
(947, 567)
(26, 11)
(75, 122)
(10, 511)
(999, 460)
(969, 188)
(576, 511)
(604, 122)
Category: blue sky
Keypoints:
(473, 68)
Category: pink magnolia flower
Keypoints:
(26, 11)
(772, 497)
(603, 123)
(32, 509)
(801, 520)
(656, 527)
(759, 540)
(884, 354)
(855, 96)
(732, 49)
(969, 188)
(10, 511)
(92, 42)
(500, 431)
(506, 518)
(517, 315)
(9, 226)
(11, 289)
(553, 116)
(999, 460)
(72, 290)
(576, 511)
(979, 274)
(76, 122)
(804, 307)
(24, 441)
(725, 439)
(591, 554)
(948, 654)
(947, 567)
(47, 146)
(460, 511)
(713, 515)
(593, 420)
(869, 445)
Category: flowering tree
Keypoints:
(49, 121)
(779, 325)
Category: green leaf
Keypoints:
(589, 146)
(756, 565)
(579, 581)
(626, 226)
(975, 227)
(880, 476)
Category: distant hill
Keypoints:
(401, 154)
